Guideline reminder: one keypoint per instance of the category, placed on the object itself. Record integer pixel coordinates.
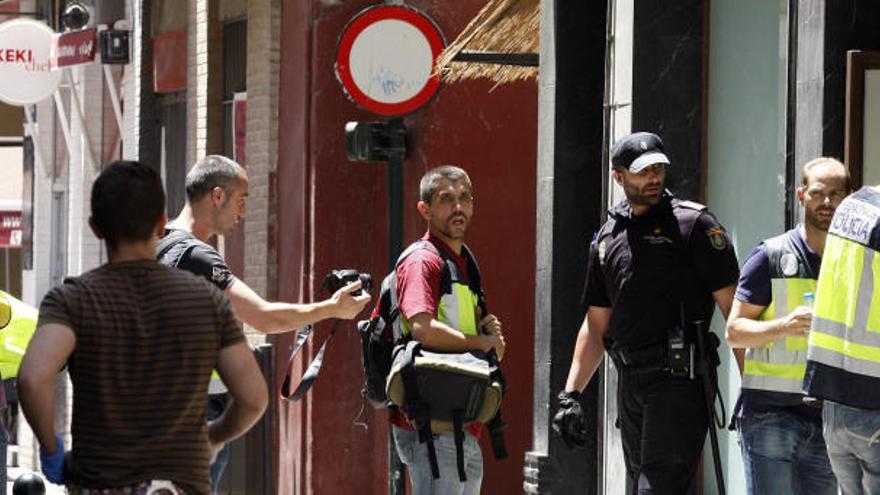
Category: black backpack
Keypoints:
(384, 329)
(395, 366)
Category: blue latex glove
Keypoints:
(53, 464)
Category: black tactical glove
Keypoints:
(569, 420)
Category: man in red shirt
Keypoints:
(447, 204)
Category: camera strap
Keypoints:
(311, 373)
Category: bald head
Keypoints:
(825, 166)
(826, 182)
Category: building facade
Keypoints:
(742, 94)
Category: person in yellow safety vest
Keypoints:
(782, 446)
(444, 322)
(18, 322)
(5, 318)
(843, 357)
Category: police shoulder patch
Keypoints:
(693, 205)
(717, 237)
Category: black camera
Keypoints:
(338, 279)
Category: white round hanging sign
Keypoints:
(25, 73)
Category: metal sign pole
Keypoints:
(397, 134)
(385, 142)
(368, 33)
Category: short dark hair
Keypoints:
(431, 179)
(210, 172)
(127, 200)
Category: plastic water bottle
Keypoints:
(809, 299)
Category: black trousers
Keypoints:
(663, 423)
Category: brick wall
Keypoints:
(205, 111)
(264, 47)
(204, 81)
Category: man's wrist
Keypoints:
(53, 441)
(778, 329)
(570, 394)
(482, 342)
(323, 310)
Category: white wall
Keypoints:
(746, 178)
(10, 170)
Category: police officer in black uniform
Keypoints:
(656, 268)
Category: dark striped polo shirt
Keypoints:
(147, 337)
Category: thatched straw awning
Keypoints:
(501, 43)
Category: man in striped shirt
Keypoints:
(140, 340)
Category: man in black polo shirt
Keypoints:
(216, 192)
(657, 262)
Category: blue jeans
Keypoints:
(415, 456)
(853, 438)
(216, 406)
(784, 453)
(4, 444)
(218, 467)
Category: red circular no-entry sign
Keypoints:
(385, 59)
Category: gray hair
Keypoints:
(210, 172)
(431, 180)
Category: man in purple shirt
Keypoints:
(781, 435)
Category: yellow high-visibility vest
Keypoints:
(458, 305)
(5, 310)
(779, 366)
(844, 343)
(845, 332)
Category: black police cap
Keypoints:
(637, 151)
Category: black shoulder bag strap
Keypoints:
(686, 227)
(458, 434)
(415, 408)
(394, 304)
(496, 425)
(308, 378)
(476, 280)
(707, 367)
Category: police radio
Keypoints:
(679, 354)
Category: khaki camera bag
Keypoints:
(445, 392)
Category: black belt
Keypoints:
(642, 358)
